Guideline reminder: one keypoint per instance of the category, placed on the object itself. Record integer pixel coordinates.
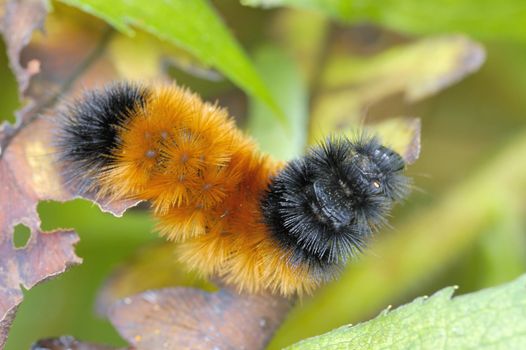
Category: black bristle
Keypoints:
(322, 207)
(88, 131)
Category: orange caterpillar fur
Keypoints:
(204, 179)
(208, 183)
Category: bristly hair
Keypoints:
(239, 215)
(88, 131)
(322, 207)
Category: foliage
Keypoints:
(491, 318)
(202, 34)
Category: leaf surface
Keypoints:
(494, 318)
(179, 318)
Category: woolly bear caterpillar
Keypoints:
(238, 214)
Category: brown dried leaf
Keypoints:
(25, 179)
(63, 55)
(67, 342)
(27, 170)
(18, 20)
(188, 318)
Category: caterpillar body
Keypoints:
(254, 222)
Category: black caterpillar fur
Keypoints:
(88, 129)
(323, 206)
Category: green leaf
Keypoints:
(492, 318)
(485, 19)
(191, 25)
(504, 234)
(283, 76)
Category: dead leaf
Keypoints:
(67, 342)
(25, 179)
(27, 170)
(19, 18)
(188, 318)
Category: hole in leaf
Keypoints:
(21, 236)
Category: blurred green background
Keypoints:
(464, 224)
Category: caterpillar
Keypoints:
(258, 224)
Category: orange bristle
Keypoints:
(181, 223)
(204, 179)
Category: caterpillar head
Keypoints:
(322, 207)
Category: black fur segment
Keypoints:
(323, 206)
(88, 131)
